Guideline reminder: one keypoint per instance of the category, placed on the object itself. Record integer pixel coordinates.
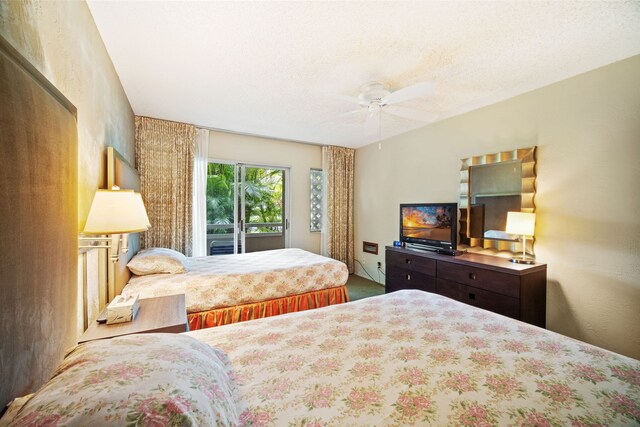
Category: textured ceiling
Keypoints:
(285, 69)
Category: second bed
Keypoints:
(226, 289)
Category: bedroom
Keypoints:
(585, 126)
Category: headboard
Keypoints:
(121, 173)
(38, 226)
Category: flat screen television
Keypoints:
(429, 225)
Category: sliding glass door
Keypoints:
(222, 199)
(246, 208)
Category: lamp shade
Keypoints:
(521, 223)
(144, 211)
(116, 212)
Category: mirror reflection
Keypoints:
(490, 186)
(494, 190)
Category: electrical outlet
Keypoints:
(379, 264)
(362, 261)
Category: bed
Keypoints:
(226, 289)
(413, 357)
(405, 358)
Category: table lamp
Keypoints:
(522, 223)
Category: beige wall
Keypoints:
(587, 129)
(62, 41)
(300, 158)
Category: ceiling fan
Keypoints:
(375, 98)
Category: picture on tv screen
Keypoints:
(427, 222)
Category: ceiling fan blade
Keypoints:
(410, 113)
(372, 125)
(417, 90)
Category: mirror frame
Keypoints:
(500, 248)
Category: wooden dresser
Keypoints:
(492, 283)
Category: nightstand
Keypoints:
(162, 314)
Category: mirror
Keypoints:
(490, 186)
(494, 190)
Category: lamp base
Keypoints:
(521, 260)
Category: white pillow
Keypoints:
(157, 261)
(146, 379)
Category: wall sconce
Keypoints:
(521, 223)
(114, 212)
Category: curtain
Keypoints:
(200, 161)
(164, 158)
(338, 234)
(324, 225)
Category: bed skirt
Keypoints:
(274, 307)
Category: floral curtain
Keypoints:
(338, 237)
(164, 158)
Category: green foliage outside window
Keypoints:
(263, 197)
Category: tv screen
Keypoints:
(432, 225)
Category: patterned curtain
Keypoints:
(164, 158)
(338, 165)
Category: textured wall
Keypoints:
(61, 40)
(299, 157)
(587, 129)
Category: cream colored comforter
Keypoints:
(416, 358)
(228, 280)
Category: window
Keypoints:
(246, 208)
(316, 178)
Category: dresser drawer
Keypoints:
(490, 283)
(452, 290)
(491, 301)
(493, 281)
(415, 263)
(480, 298)
(400, 278)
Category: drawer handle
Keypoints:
(472, 296)
(408, 277)
(472, 276)
(408, 261)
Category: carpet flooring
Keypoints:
(360, 288)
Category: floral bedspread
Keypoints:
(135, 380)
(228, 280)
(415, 358)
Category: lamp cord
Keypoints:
(365, 270)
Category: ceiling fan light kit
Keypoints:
(373, 93)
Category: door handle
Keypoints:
(472, 276)
(286, 224)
